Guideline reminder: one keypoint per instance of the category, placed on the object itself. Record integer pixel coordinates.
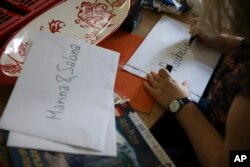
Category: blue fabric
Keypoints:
(169, 6)
(173, 139)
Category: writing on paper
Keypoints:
(65, 74)
(178, 52)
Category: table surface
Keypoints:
(147, 21)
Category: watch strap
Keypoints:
(182, 102)
(185, 100)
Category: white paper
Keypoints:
(30, 142)
(64, 92)
(167, 43)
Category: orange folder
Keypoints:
(127, 84)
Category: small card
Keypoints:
(64, 93)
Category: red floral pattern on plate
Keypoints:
(56, 25)
(95, 16)
(90, 21)
(12, 68)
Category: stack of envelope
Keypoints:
(63, 99)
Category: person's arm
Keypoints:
(222, 42)
(238, 126)
(210, 147)
(206, 141)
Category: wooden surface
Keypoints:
(148, 20)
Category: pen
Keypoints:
(192, 39)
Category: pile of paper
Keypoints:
(63, 99)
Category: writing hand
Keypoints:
(222, 42)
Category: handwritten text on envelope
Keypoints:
(64, 92)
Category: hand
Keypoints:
(201, 33)
(222, 42)
(163, 88)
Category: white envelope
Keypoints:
(25, 141)
(64, 92)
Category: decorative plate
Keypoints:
(87, 20)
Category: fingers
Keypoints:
(163, 88)
(185, 84)
(193, 21)
(165, 76)
(164, 73)
(195, 30)
(152, 79)
(155, 76)
(157, 79)
(149, 89)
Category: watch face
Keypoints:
(174, 106)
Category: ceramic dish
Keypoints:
(87, 20)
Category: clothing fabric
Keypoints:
(230, 80)
(169, 6)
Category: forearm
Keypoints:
(206, 141)
(225, 43)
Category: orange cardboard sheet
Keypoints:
(127, 84)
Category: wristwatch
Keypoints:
(176, 105)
